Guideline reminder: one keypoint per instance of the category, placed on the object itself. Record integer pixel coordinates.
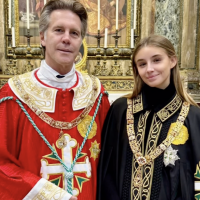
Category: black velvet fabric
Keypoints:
(174, 182)
(154, 100)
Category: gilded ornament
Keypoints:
(137, 182)
(181, 118)
(84, 125)
(94, 149)
(164, 113)
(132, 137)
(182, 137)
(141, 160)
(26, 97)
(69, 125)
(61, 142)
(38, 112)
(163, 147)
(135, 142)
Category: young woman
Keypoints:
(151, 140)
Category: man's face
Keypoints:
(62, 40)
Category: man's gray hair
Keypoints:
(73, 5)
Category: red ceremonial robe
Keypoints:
(25, 158)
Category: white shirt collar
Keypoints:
(48, 76)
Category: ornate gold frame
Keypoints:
(20, 50)
(128, 28)
(80, 66)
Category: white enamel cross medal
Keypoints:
(61, 142)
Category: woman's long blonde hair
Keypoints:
(164, 43)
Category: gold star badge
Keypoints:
(94, 149)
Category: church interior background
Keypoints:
(110, 40)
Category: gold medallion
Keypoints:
(182, 137)
(94, 149)
(84, 125)
(61, 142)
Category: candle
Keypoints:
(13, 37)
(135, 11)
(132, 38)
(98, 14)
(105, 37)
(117, 8)
(45, 2)
(9, 14)
(27, 14)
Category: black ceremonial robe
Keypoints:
(176, 181)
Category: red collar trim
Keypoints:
(68, 89)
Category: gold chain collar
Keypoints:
(148, 159)
(48, 119)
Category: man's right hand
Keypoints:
(73, 198)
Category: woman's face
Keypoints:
(154, 66)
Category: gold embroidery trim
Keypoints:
(135, 191)
(169, 109)
(147, 159)
(138, 106)
(43, 97)
(148, 169)
(44, 116)
(50, 191)
(84, 94)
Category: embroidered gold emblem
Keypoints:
(18, 87)
(83, 127)
(44, 97)
(28, 91)
(83, 95)
(94, 149)
(50, 191)
(182, 137)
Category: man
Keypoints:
(51, 118)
